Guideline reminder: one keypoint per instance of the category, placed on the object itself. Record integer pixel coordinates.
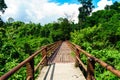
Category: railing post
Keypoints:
(30, 64)
(76, 60)
(30, 70)
(44, 53)
(90, 69)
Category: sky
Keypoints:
(47, 11)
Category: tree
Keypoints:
(10, 20)
(107, 7)
(65, 28)
(1, 22)
(85, 10)
(3, 6)
(116, 6)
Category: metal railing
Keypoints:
(46, 52)
(91, 60)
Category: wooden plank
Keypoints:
(64, 54)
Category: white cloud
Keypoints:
(37, 11)
(102, 3)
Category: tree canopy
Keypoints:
(3, 6)
(84, 10)
(100, 36)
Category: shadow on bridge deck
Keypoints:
(61, 71)
(61, 66)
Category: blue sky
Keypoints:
(76, 1)
(47, 11)
(65, 1)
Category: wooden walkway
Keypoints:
(61, 64)
(61, 67)
(64, 55)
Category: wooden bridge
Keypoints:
(61, 61)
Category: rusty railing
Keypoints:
(46, 52)
(89, 70)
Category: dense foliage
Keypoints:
(17, 41)
(99, 35)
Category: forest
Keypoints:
(96, 32)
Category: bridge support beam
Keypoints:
(90, 69)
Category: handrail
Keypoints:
(91, 62)
(8, 74)
(102, 63)
(29, 60)
(39, 64)
(48, 50)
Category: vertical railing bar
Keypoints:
(44, 53)
(90, 69)
(30, 69)
(78, 55)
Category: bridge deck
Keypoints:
(62, 67)
(63, 55)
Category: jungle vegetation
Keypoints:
(98, 34)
